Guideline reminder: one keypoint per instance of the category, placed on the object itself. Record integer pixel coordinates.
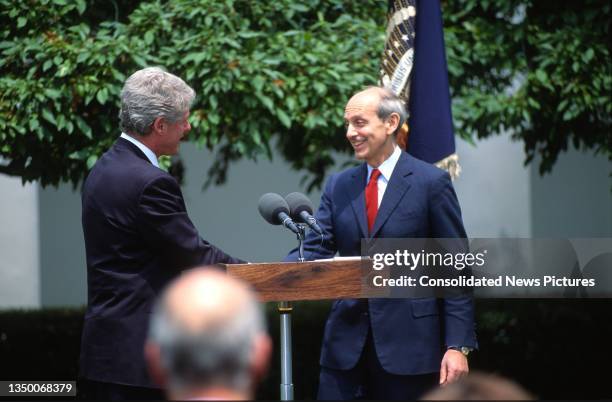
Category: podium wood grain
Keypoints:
(293, 281)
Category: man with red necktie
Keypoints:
(388, 348)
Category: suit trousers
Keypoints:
(369, 380)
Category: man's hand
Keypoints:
(454, 366)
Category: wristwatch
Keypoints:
(463, 349)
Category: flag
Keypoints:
(414, 67)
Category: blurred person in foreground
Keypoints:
(138, 236)
(207, 339)
(478, 387)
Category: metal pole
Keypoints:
(286, 387)
(285, 309)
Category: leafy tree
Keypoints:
(540, 69)
(276, 75)
(265, 73)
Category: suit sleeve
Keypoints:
(167, 227)
(314, 246)
(446, 222)
(445, 213)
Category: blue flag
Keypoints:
(419, 23)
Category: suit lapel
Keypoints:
(355, 190)
(396, 188)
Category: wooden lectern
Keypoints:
(311, 280)
(291, 281)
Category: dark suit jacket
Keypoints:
(137, 238)
(410, 335)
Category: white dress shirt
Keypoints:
(386, 169)
(148, 153)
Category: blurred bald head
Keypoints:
(208, 334)
(213, 299)
(480, 386)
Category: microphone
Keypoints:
(275, 210)
(300, 209)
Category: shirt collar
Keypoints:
(386, 168)
(148, 153)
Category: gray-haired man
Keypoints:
(138, 236)
(207, 339)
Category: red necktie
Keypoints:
(371, 198)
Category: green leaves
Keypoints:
(51, 70)
(277, 74)
(265, 73)
(83, 127)
(536, 69)
(102, 96)
(47, 115)
(284, 118)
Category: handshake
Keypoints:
(295, 207)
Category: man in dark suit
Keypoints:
(388, 348)
(137, 235)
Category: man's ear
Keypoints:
(392, 123)
(159, 124)
(153, 358)
(262, 351)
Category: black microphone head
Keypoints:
(270, 205)
(298, 202)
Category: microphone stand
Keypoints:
(285, 309)
(301, 236)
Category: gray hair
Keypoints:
(151, 93)
(390, 103)
(217, 355)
